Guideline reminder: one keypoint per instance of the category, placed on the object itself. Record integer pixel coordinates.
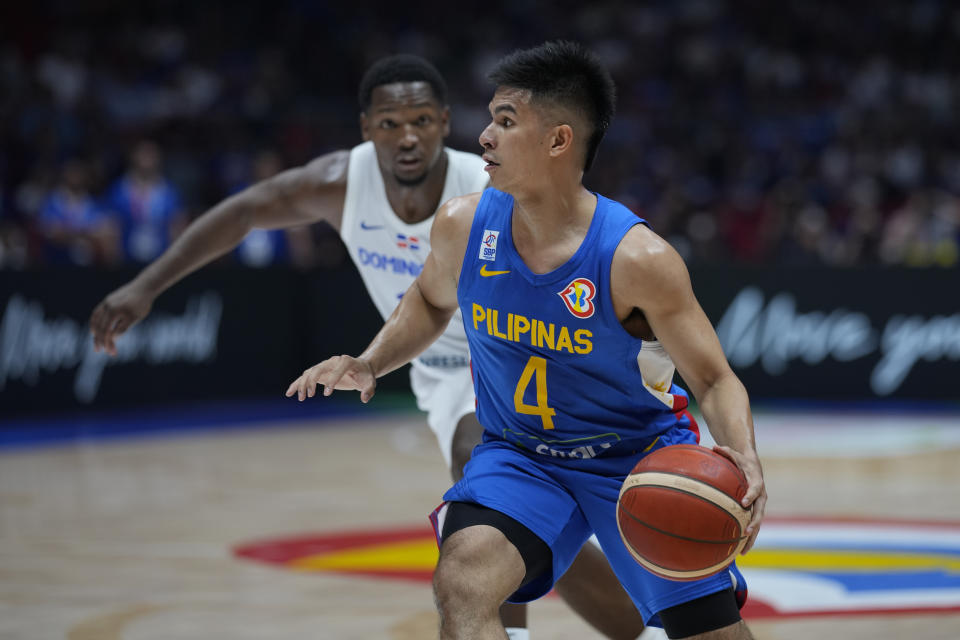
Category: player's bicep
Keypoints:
(448, 242)
(687, 335)
(302, 195)
(658, 283)
(435, 285)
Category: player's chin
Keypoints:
(495, 176)
(409, 178)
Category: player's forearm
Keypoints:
(726, 409)
(210, 236)
(412, 327)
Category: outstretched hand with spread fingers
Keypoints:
(342, 373)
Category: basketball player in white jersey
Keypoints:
(381, 197)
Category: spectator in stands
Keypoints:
(725, 101)
(75, 230)
(923, 232)
(145, 205)
(265, 247)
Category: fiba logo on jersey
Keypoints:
(488, 245)
(578, 297)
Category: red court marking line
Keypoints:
(412, 575)
(284, 550)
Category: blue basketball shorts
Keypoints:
(564, 505)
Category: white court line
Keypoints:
(851, 435)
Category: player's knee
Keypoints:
(452, 588)
(459, 577)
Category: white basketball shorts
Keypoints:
(446, 395)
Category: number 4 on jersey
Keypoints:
(536, 368)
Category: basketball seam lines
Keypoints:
(722, 457)
(674, 573)
(720, 499)
(684, 484)
(676, 474)
(674, 535)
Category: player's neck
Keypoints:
(554, 210)
(548, 230)
(414, 203)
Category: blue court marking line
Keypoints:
(886, 580)
(166, 420)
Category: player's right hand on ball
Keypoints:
(119, 311)
(339, 372)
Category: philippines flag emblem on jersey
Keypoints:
(408, 242)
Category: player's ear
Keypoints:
(445, 121)
(561, 139)
(364, 126)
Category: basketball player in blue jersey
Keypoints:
(374, 195)
(577, 315)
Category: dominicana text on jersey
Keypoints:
(389, 253)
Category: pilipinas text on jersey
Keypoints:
(555, 372)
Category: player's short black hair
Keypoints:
(564, 73)
(402, 67)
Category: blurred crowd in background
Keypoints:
(803, 132)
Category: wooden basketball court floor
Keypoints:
(142, 538)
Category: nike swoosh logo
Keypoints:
(487, 274)
(370, 227)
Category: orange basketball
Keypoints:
(679, 512)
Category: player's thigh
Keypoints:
(489, 550)
(466, 437)
(591, 589)
(504, 479)
(447, 397)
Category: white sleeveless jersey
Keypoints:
(390, 253)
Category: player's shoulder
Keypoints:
(325, 176)
(643, 254)
(458, 211)
(328, 169)
(450, 233)
(642, 244)
(454, 219)
(459, 205)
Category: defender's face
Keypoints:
(515, 141)
(407, 126)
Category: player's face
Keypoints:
(515, 142)
(407, 127)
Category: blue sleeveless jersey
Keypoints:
(554, 370)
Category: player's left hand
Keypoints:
(756, 494)
(338, 372)
(116, 313)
